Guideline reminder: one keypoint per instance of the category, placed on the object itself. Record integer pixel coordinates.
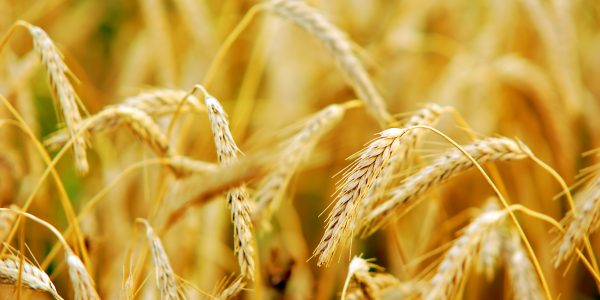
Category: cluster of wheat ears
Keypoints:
(472, 194)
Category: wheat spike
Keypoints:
(340, 47)
(294, 152)
(237, 198)
(165, 276)
(31, 276)
(62, 90)
(161, 102)
(491, 247)
(584, 222)
(525, 283)
(83, 285)
(447, 165)
(111, 117)
(429, 116)
(355, 185)
(450, 272)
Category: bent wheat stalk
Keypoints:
(446, 166)
(358, 179)
(161, 102)
(340, 48)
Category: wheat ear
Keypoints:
(340, 47)
(295, 151)
(161, 102)
(83, 285)
(354, 186)
(525, 283)
(165, 276)
(142, 125)
(31, 276)
(446, 166)
(61, 89)
(429, 116)
(584, 222)
(237, 198)
(491, 247)
(449, 275)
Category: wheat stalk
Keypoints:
(111, 117)
(61, 89)
(340, 47)
(358, 179)
(525, 283)
(447, 165)
(295, 151)
(237, 198)
(584, 222)
(449, 275)
(165, 276)
(83, 285)
(13, 271)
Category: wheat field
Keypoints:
(299, 149)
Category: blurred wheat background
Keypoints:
(204, 142)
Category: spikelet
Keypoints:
(429, 115)
(237, 198)
(340, 47)
(165, 276)
(111, 117)
(31, 276)
(491, 247)
(354, 186)
(7, 220)
(447, 165)
(161, 102)
(294, 152)
(454, 265)
(525, 283)
(83, 285)
(586, 220)
(231, 290)
(62, 90)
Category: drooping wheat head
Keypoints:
(237, 198)
(447, 165)
(353, 188)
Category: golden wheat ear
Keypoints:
(340, 48)
(357, 180)
(237, 198)
(444, 167)
(13, 271)
(62, 90)
(454, 265)
(165, 276)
